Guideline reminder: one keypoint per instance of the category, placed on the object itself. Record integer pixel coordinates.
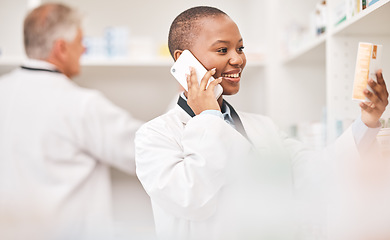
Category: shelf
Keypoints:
(102, 62)
(367, 22)
(11, 61)
(313, 52)
(154, 62)
(124, 62)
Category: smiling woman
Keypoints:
(214, 173)
(220, 46)
(215, 41)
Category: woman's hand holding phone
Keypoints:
(181, 68)
(198, 97)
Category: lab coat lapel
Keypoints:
(256, 133)
(187, 109)
(182, 115)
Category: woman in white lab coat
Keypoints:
(212, 172)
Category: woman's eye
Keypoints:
(241, 49)
(222, 50)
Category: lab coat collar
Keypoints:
(183, 115)
(35, 63)
(186, 110)
(182, 102)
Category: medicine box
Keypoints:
(367, 63)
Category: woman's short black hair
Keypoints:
(185, 27)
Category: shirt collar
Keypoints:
(225, 109)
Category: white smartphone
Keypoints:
(182, 67)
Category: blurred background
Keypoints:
(301, 57)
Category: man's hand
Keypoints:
(198, 97)
(372, 111)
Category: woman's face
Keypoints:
(219, 45)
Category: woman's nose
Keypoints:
(236, 59)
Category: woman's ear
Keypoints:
(177, 54)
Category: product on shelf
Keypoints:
(163, 50)
(342, 125)
(117, 41)
(384, 123)
(94, 47)
(364, 4)
(299, 34)
(343, 10)
(370, 2)
(351, 8)
(113, 44)
(339, 12)
(320, 17)
(346, 9)
(367, 63)
(295, 37)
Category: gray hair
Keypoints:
(46, 24)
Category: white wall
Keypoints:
(11, 25)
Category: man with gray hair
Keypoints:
(57, 139)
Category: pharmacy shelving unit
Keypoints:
(367, 26)
(322, 69)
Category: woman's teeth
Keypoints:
(231, 75)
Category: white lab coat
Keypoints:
(207, 181)
(57, 142)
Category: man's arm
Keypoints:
(109, 132)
